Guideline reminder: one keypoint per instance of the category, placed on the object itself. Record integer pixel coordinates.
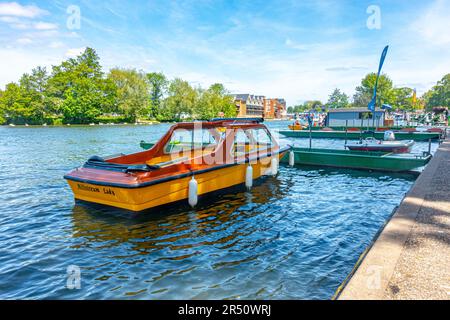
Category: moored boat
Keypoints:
(295, 127)
(372, 144)
(190, 160)
(356, 135)
(146, 145)
(365, 160)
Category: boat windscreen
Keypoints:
(184, 140)
(251, 140)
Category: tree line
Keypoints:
(78, 92)
(399, 98)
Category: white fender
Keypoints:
(193, 192)
(249, 176)
(291, 158)
(274, 166)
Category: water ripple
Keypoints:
(293, 236)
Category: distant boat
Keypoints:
(12, 125)
(68, 124)
(92, 124)
(26, 124)
(44, 125)
(372, 144)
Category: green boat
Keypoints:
(379, 161)
(356, 135)
(146, 145)
(342, 128)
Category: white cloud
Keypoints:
(434, 24)
(24, 41)
(56, 44)
(9, 19)
(14, 22)
(17, 10)
(45, 26)
(73, 52)
(14, 62)
(20, 26)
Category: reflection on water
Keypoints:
(254, 244)
(293, 236)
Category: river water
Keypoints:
(294, 236)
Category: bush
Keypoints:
(111, 119)
(57, 121)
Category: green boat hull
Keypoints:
(379, 161)
(146, 145)
(356, 135)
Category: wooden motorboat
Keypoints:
(372, 144)
(190, 160)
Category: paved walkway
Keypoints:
(411, 257)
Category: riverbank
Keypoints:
(410, 258)
(140, 122)
(84, 125)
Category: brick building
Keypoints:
(259, 106)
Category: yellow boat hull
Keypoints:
(142, 198)
(295, 127)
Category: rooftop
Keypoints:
(353, 110)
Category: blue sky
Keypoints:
(298, 49)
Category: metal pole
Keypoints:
(346, 129)
(361, 129)
(429, 146)
(373, 118)
(310, 136)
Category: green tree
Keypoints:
(15, 105)
(180, 101)
(214, 101)
(33, 88)
(26, 102)
(305, 107)
(337, 99)
(131, 93)
(364, 92)
(158, 88)
(403, 98)
(78, 88)
(2, 111)
(313, 105)
(439, 95)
